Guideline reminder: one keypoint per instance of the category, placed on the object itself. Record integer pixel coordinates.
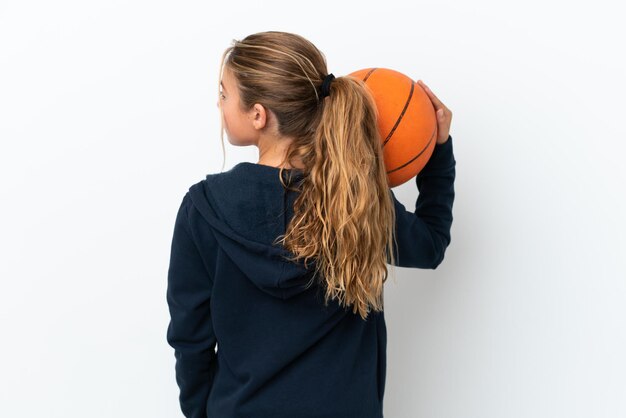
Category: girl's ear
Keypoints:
(259, 116)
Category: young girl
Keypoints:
(280, 264)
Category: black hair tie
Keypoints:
(326, 84)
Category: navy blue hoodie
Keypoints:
(280, 351)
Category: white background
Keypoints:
(108, 114)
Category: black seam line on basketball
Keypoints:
(406, 105)
(369, 73)
(432, 136)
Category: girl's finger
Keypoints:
(430, 94)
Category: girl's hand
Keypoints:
(444, 115)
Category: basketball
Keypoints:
(406, 121)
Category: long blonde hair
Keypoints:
(344, 217)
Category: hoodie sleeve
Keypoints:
(423, 236)
(190, 330)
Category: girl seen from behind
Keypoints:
(280, 264)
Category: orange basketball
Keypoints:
(406, 121)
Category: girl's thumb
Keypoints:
(440, 114)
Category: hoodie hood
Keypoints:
(247, 208)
